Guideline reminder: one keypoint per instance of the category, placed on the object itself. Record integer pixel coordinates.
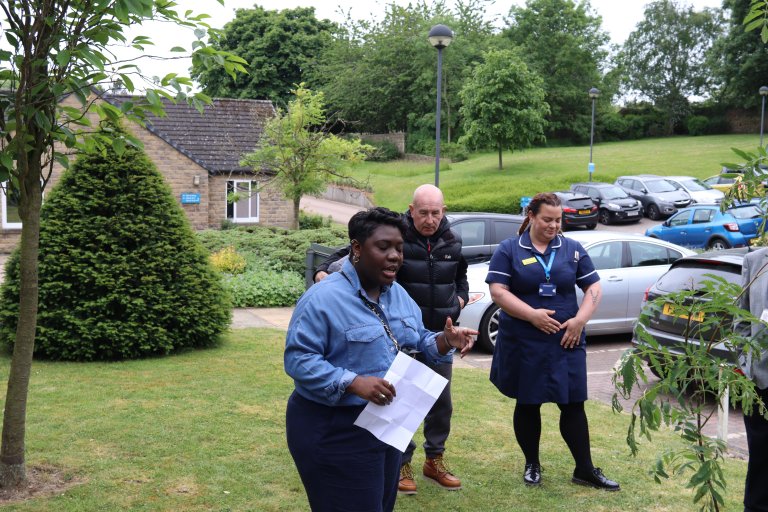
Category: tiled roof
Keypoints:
(217, 139)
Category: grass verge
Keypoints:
(204, 431)
(477, 183)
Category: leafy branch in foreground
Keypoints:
(693, 382)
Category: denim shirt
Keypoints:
(333, 337)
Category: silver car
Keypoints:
(699, 191)
(628, 265)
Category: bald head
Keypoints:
(427, 209)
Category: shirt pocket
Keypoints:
(367, 349)
(406, 332)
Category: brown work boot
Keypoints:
(435, 469)
(407, 484)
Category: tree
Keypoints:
(280, 47)
(564, 43)
(742, 59)
(382, 75)
(757, 18)
(60, 48)
(666, 56)
(503, 104)
(298, 152)
(122, 274)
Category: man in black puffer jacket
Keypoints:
(434, 274)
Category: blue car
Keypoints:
(704, 225)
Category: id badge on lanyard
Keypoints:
(547, 289)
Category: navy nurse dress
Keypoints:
(528, 364)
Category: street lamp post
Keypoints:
(594, 93)
(763, 92)
(440, 36)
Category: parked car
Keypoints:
(482, 232)
(613, 204)
(578, 210)
(699, 191)
(720, 182)
(627, 264)
(660, 197)
(724, 182)
(706, 226)
(666, 324)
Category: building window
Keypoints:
(242, 201)
(10, 202)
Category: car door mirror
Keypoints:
(666, 223)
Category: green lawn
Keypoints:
(204, 431)
(477, 181)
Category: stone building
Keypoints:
(199, 155)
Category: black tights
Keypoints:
(573, 427)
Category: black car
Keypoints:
(482, 232)
(668, 325)
(613, 204)
(578, 210)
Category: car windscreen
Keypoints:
(690, 276)
(745, 212)
(695, 185)
(613, 193)
(657, 186)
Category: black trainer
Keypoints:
(594, 478)
(532, 474)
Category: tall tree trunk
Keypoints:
(499, 156)
(12, 461)
(296, 203)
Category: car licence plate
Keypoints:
(630, 214)
(585, 212)
(674, 310)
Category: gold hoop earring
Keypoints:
(355, 259)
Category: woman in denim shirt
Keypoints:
(343, 336)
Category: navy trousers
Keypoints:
(343, 467)
(756, 487)
(437, 424)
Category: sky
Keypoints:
(619, 19)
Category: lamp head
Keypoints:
(440, 36)
(594, 93)
(763, 91)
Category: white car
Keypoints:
(628, 265)
(699, 191)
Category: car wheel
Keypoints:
(718, 244)
(591, 226)
(653, 212)
(489, 328)
(604, 217)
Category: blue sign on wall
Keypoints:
(190, 198)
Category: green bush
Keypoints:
(273, 248)
(697, 125)
(384, 151)
(312, 221)
(122, 274)
(264, 288)
(455, 151)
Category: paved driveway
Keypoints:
(603, 354)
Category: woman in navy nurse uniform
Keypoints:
(540, 353)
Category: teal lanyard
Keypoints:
(548, 266)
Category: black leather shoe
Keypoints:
(594, 478)
(532, 474)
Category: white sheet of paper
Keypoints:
(418, 387)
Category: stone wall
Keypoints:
(743, 121)
(396, 138)
(348, 195)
